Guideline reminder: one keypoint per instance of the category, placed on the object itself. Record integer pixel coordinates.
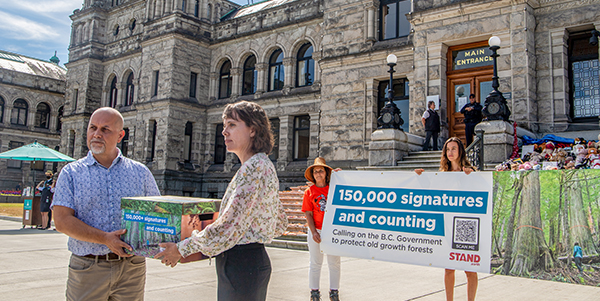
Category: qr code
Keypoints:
(466, 233)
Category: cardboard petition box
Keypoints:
(152, 220)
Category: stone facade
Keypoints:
(174, 39)
(40, 85)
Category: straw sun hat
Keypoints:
(319, 162)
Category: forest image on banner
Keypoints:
(539, 216)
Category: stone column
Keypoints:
(315, 125)
(213, 87)
(261, 73)
(30, 123)
(178, 5)
(387, 146)
(235, 82)
(168, 7)
(158, 8)
(317, 57)
(370, 17)
(498, 138)
(288, 64)
(8, 112)
(52, 121)
(286, 129)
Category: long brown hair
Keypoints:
(445, 164)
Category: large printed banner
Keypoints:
(434, 219)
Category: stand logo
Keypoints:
(472, 258)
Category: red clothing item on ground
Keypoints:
(315, 199)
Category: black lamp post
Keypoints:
(389, 117)
(495, 107)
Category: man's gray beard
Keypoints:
(98, 150)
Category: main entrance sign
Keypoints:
(471, 58)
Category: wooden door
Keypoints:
(459, 89)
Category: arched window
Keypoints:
(197, 9)
(276, 74)
(208, 11)
(42, 116)
(1, 109)
(18, 115)
(225, 80)
(249, 81)
(112, 101)
(132, 24)
(183, 5)
(129, 90)
(305, 66)
(61, 111)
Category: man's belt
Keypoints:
(107, 257)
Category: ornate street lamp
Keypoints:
(495, 107)
(389, 117)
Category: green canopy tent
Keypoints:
(35, 152)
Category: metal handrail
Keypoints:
(475, 151)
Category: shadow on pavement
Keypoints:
(27, 231)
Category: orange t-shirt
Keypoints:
(315, 199)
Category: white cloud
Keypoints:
(20, 28)
(43, 7)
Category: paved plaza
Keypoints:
(34, 267)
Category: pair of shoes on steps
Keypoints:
(315, 295)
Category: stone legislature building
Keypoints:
(318, 68)
(32, 95)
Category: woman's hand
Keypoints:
(419, 171)
(316, 237)
(170, 255)
(337, 169)
(467, 170)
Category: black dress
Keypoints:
(46, 199)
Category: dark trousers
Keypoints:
(243, 273)
(434, 135)
(578, 264)
(469, 132)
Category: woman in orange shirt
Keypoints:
(313, 206)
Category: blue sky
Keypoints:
(37, 28)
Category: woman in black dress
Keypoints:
(47, 189)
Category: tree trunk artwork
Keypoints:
(531, 251)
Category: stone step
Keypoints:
(291, 193)
(422, 158)
(291, 202)
(292, 206)
(288, 244)
(425, 153)
(416, 164)
(297, 219)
